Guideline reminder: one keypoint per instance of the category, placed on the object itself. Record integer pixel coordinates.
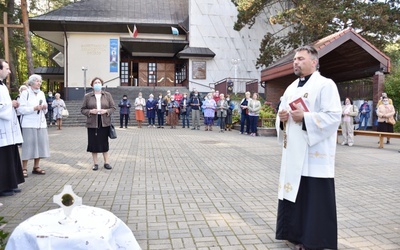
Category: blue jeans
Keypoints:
(363, 118)
(244, 119)
(185, 119)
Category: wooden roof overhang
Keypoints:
(343, 56)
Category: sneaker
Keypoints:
(350, 144)
(193, 128)
(344, 143)
(241, 133)
(198, 128)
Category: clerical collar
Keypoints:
(303, 80)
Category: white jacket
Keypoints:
(29, 117)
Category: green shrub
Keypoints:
(3, 235)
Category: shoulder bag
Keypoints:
(112, 134)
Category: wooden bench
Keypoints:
(381, 135)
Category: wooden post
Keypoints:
(5, 25)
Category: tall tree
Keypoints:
(304, 21)
(27, 38)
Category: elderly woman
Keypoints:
(229, 113)
(244, 114)
(385, 115)
(151, 106)
(254, 107)
(58, 105)
(98, 106)
(209, 106)
(221, 111)
(173, 112)
(349, 111)
(140, 104)
(33, 109)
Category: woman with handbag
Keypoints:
(385, 113)
(349, 111)
(58, 105)
(98, 106)
(173, 112)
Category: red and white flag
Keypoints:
(134, 33)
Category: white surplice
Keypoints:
(10, 132)
(309, 153)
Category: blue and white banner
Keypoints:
(114, 52)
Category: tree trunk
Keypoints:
(28, 46)
(12, 57)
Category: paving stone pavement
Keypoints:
(185, 189)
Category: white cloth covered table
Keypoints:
(95, 229)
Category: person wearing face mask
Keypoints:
(168, 99)
(33, 107)
(173, 107)
(385, 113)
(349, 111)
(229, 112)
(49, 100)
(161, 106)
(195, 104)
(185, 109)
(98, 106)
(58, 106)
(364, 111)
(151, 106)
(125, 106)
(140, 104)
(209, 107)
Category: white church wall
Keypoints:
(92, 51)
(211, 25)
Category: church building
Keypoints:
(151, 43)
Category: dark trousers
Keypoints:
(160, 117)
(221, 123)
(151, 120)
(121, 118)
(253, 123)
(244, 120)
(185, 119)
(50, 116)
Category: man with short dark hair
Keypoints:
(307, 123)
(10, 135)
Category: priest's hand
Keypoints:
(283, 115)
(297, 114)
(15, 104)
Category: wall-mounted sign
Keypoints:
(199, 70)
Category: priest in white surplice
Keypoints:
(308, 118)
(10, 135)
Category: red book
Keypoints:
(297, 102)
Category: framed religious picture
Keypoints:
(199, 70)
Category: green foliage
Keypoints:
(305, 21)
(392, 81)
(267, 115)
(3, 235)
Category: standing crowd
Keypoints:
(169, 109)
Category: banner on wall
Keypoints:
(114, 52)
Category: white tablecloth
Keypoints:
(95, 229)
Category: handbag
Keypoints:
(356, 119)
(177, 110)
(112, 133)
(65, 113)
(391, 120)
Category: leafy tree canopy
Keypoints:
(305, 21)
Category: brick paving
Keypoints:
(185, 189)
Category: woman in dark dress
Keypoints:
(98, 107)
